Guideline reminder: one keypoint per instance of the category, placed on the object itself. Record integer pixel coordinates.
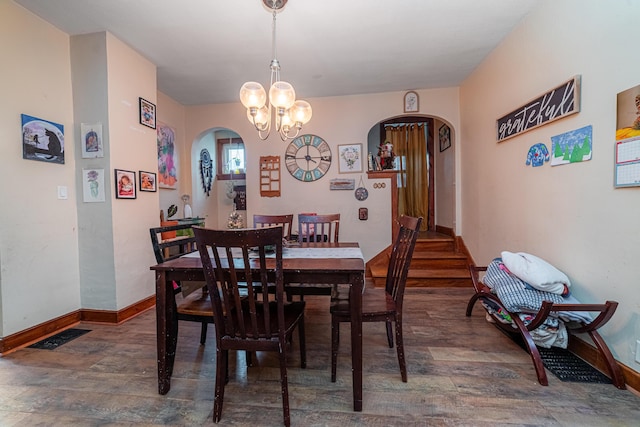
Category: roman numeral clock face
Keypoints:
(308, 158)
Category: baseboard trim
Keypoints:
(445, 230)
(117, 317)
(591, 355)
(36, 333)
(462, 248)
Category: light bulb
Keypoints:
(301, 112)
(253, 95)
(282, 95)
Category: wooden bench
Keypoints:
(605, 312)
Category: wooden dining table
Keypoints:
(302, 268)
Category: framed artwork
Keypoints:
(167, 157)
(628, 114)
(125, 182)
(42, 140)
(147, 181)
(91, 140)
(411, 102)
(147, 113)
(444, 135)
(350, 158)
(93, 185)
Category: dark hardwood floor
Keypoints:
(462, 372)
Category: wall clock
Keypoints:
(308, 158)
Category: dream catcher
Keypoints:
(206, 170)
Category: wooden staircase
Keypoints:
(438, 261)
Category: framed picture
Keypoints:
(91, 140)
(125, 182)
(411, 102)
(168, 157)
(350, 158)
(93, 185)
(445, 137)
(147, 181)
(147, 113)
(42, 140)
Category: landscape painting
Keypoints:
(572, 147)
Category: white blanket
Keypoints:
(536, 272)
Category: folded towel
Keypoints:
(536, 272)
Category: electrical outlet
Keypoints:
(638, 351)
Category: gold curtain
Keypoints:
(410, 147)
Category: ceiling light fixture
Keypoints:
(288, 114)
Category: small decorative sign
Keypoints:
(342, 184)
(559, 102)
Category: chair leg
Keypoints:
(335, 341)
(303, 346)
(284, 385)
(203, 333)
(222, 377)
(389, 333)
(400, 349)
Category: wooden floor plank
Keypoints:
(462, 371)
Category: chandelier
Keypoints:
(281, 107)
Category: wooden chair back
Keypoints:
(284, 221)
(173, 239)
(245, 316)
(240, 292)
(318, 228)
(401, 255)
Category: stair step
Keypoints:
(437, 254)
(437, 283)
(449, 273)
(435, 245)
(438, 260)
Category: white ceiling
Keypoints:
(206, 49)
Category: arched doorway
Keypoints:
(377, 137)
(222, 195)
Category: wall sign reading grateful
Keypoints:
(559, 102)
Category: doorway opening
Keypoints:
(413, 141)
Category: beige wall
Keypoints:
(570, 215)
(133, 147)
(39, 277)
(338, 120)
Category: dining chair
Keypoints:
(238, 275)
(381, 305)
(191, 303)
(285, 221)
(318, 228)
(315, 228)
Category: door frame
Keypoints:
(409, 119)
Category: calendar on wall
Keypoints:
(627, 173)
(270, 176)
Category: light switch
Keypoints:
(62, 192)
